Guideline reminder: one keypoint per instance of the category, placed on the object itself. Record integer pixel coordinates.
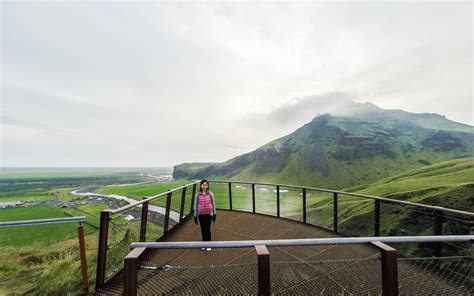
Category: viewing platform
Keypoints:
(427, 249)
(330, 269)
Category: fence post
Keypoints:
(334, 218)
(167, 213)
(438, 230)
(263, 259)
(130, 283)
(82, 253)
(278, 201)
(144, 221)
(253, 198)
(192, 198)
(102, 250)
(389, 269)
(304, 205)
(377, 217)
(183, 200)
(230, 196)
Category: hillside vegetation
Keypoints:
(449, 184)
(361, 147)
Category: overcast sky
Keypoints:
(158, 84)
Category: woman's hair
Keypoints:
(204, 181)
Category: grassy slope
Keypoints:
(44, 259)
(422, 185)
(449, 184)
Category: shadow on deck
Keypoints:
(330, 269)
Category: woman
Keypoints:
(205, 211)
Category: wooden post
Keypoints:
(130, 283)
(304, 205)
(438, 230)
(334, 204)
(278, 201)
(230, 196)
(253, 198)
(183, 200)
(192, 198)
(389, 269)
(263, 259)
(82, 252)
(102, 250)
(144, 221)
(377, 217)
(167, 213)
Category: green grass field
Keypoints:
(140, 191)
(27, 235)
(26, 198)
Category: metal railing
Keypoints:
(126, 233)
(443, 220)
(433, 219)
(42, 221)
(80, 232)
(389, 269)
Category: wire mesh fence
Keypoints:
(345, 273)
(197, 280)
(242, 197)
(350, 276)
(398, 220)
(436, 276)
(265, 200)
(319, 208)
(125, 226)
(325, 269)
(221, 194)
(291, 203)
(355, 215)
(188, 200)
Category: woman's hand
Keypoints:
(214, 217)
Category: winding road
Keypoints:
(90, 192)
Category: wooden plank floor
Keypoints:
(332, 269)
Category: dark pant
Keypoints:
(205, 222)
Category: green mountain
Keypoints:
(358, 145)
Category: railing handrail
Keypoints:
(385, 199)
(148, 199)
(42, 221)
(303, 242)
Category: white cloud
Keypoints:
(156, 84)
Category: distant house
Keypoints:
(129, 218)
(281, 190)
(9, 204)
